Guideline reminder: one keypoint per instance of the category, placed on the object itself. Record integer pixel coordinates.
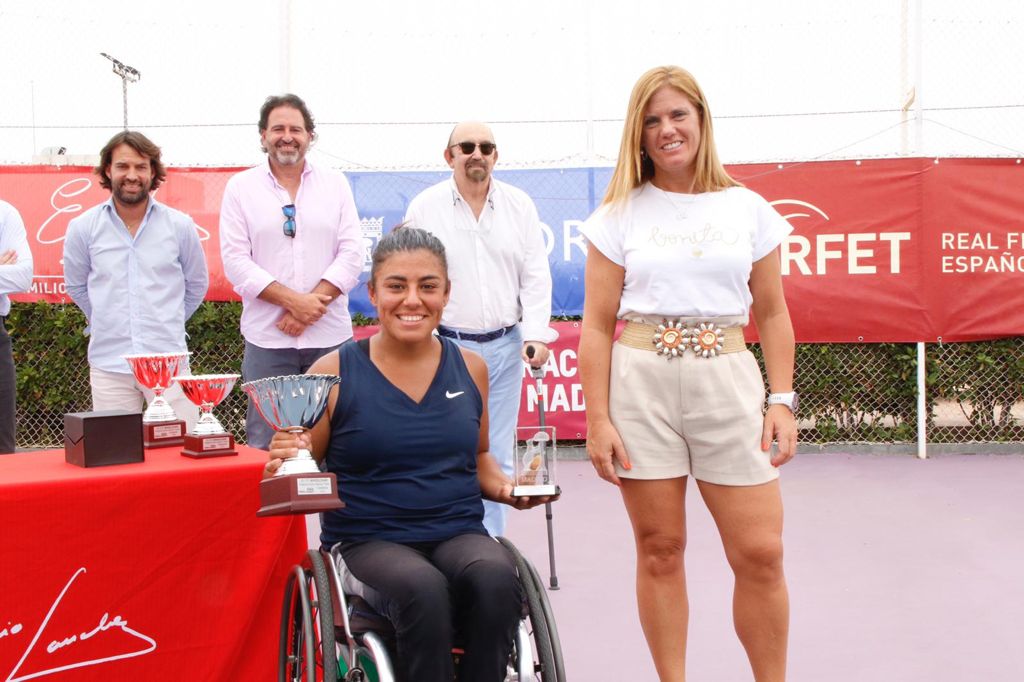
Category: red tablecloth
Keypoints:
(151, 571)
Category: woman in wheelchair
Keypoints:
(406, 434)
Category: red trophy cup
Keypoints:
(208, 437)
(160, 426)
(295, 403)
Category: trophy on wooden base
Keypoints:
(534, 465)
(208, 438)
(160, 426)
(295, 403)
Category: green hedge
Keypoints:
(986, 379)
(851, 392)
(50, 356)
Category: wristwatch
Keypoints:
(790, 400)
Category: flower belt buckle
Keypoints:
(670, 338)
(705, 339)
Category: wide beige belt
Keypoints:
(673, 338)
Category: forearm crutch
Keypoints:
(538, 375)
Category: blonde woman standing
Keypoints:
(684, 254)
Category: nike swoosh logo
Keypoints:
(450, 395)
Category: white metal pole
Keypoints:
(589, 77)
(32, 96)
(918, 68)
(284, 16)
(905, 84)
(124, 98)
(922, 402)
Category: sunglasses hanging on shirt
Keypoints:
(289, 222)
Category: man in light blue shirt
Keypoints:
(136, 269)
(15, 276)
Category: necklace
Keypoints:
(681, 208)
(132, 226)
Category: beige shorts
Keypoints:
(690, 415)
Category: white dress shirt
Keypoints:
(136, 292)
(497, 264)
(17, 276)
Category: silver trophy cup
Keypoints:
(208, 438)
(160, 426)
(295, 403)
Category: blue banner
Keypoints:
(564, 198)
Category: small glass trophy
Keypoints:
(535, 462)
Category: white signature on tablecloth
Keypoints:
(105, 622)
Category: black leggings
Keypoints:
(467, 583)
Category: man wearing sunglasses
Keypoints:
(501, 284)
(137, 270)
(292, 249)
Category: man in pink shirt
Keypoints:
(292, 249)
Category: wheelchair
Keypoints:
(328, 633)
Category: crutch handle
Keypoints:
(535, 372)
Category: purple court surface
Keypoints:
(899, 570)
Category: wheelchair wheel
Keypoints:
(307, 650)
(548, 664)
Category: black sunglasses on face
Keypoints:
(486, 148)
(289, 223)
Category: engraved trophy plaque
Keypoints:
(534, 465)
(160, 426)
(208, 438)
(295, 403)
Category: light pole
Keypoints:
(127, 75)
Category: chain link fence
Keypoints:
(979, 392)
(850, 393)
(861, 393)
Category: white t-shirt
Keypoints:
(686, 255)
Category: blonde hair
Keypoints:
(632, 170)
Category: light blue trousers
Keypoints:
(505, 377)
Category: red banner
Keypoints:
(882, 250)
(559, 392)
(901, 249)
(48, 198)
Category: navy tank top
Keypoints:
(406, 470)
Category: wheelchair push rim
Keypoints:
(306, 649)
(548, 665)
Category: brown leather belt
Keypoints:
(673, 338)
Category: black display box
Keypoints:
(97, 439)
